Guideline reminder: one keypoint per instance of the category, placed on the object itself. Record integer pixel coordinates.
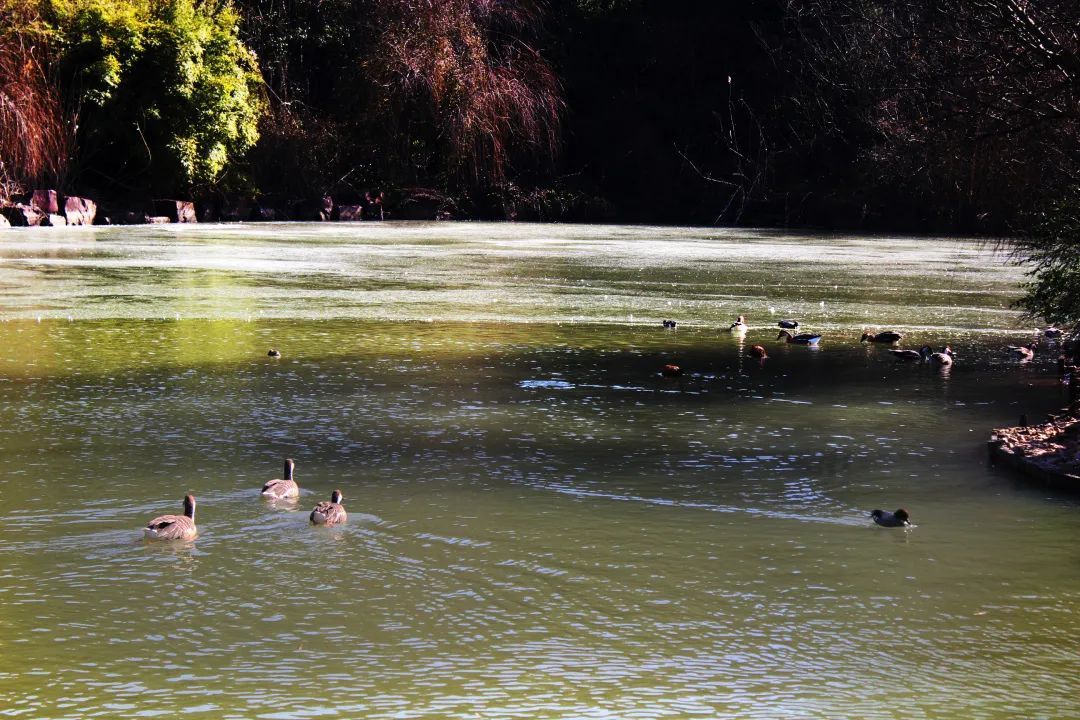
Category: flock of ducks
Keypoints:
(940, 358)
(331, 512)
(182, 527)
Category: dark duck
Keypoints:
(891, 519)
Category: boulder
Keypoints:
(178, 211)
(46, 201)
(54, 220)
(350, 213)
(159, 220)
(22, 215)
(4, 222)
(79, 211)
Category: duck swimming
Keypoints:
(906, 355)
(274, 353)
(891, 519)
(1023, 352)
(670, 370)
(670, 324)
(329, 513)
(283, 487)
(943, 358)
(174, 527)
(800, 339)
(757, 351)
(887, 336)
(739, 326)
(789, 324)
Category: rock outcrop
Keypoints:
(1049, 452)
(79, 211)
(21, 215)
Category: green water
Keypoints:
(540, 525)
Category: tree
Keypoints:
(165, 93)
(970, 102)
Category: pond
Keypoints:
(541, 525)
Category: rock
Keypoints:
(1047, 452)
(4, 222)
(45, 201)
(54, 220)
(79, 211)
(350, 213)
(178, 211)
(159, 220)
(22, 215)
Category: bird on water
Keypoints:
(283, 487)
(891, 519)
(329, 513)
(174, 527)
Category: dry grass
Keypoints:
(492, 93)
(34, 139)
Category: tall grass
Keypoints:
(34, 139)
(491, 93)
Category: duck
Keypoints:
(757, 351)
(1052, 332)
(670, 324)
(800, 339)
(1023, 352)
(942, 359)
(329, 513)
(906, 355)
(283, 487)
(274, 353)
(174, 527)
(671, 370)
(739, 326)
(891, 519)
(888, 336)
(788, 324)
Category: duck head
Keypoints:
(189, 506)
(336, 497)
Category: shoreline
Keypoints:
(1048, 452)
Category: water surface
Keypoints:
(540, 525)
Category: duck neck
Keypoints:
(189, 507)
(287, 473)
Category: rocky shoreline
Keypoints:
(50, 208)
(1048, 452)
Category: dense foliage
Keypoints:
(164, 93)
